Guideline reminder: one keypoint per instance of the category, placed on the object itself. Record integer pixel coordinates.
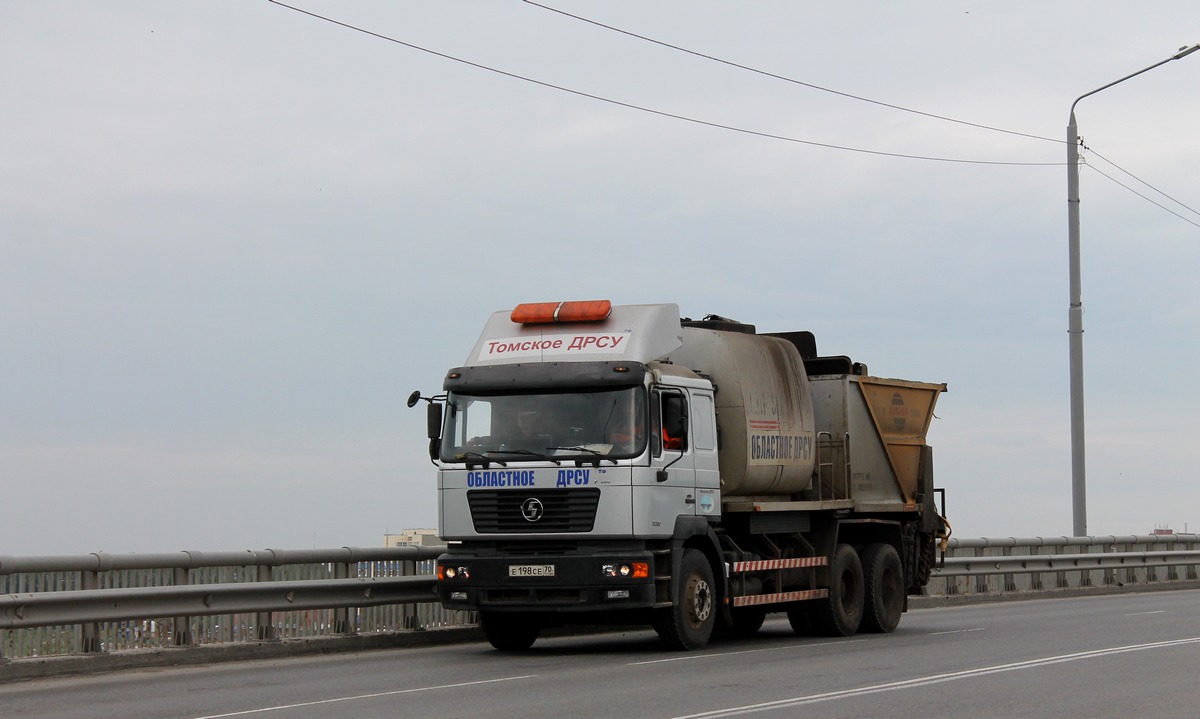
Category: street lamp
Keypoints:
(1075, 310)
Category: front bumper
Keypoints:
(582, 581)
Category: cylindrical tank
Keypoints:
(764, 409)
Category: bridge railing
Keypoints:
(55, 605)
(993, 566)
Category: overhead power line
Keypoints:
(897, 107)
(788, 79)
(652, 111)
(1147, 199)
(1147, 184)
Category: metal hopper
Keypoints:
(873, 438)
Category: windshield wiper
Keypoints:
(526, 452)
(589, 450)
(484, 459)
(577, 449)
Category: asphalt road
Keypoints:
(1129, 655)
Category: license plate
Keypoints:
(531, 570)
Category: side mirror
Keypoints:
(433, 418)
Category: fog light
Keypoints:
(618, 594)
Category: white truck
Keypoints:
(601, 464)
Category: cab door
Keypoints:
(703, 441)
(668, 490)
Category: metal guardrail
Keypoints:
(109, 605)
(1014, 564)
(97, 602)
(976, 566)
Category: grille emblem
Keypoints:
(532, 510)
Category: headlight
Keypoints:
(626, 570)
(450, 574)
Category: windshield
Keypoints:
(582, 424)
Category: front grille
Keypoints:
(529, 547)
(537, 595)
(548, 510)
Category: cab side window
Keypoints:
(703, 433)
(672, 423)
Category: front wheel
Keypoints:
(509, 632)
(688, 623)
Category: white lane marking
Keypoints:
(364, 696)
(718, 655)
(933, 679)
(1142, 614)
(956, 631)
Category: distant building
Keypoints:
(1163, 530)
(412, 538)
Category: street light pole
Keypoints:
(1075, 309)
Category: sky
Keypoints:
(234, 237)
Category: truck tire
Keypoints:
(884, 577)
(800, 618)
(688, 623)
(747, 621)
(840, 614)
(926, 558)
(509, 632)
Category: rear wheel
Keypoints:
(927, 556)
(800, 618)
(884, 577)
(747, 620)
(840, 614)
(510, 632)
(688, 623)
